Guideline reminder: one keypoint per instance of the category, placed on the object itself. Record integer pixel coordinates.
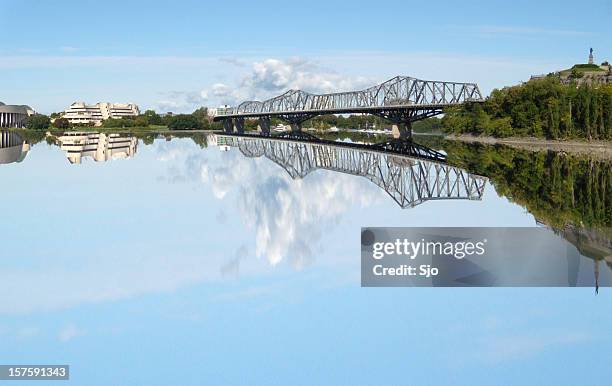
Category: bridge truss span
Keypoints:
(400, 91)
(401, 100)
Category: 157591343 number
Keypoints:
(55, 372)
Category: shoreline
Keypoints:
(598, 147)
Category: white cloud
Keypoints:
(224, 94)
(182, 101)
(288, 216)
(271, 77)
(298, 73)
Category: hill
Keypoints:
(545, 108)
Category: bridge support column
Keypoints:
(239, 125)
(402, 130)
(228, 125)
(296, 127)
(264, 125)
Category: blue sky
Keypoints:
(181, 55)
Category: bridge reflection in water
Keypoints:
(410, 175)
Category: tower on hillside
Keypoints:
(591, 56)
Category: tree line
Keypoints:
(543, 108)
(198, 120)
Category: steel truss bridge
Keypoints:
(401, 100)
(409, 180)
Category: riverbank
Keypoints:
(598, 148)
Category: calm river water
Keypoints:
(192, 261)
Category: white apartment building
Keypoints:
(81, 113)
(98, 146)
(221, 110)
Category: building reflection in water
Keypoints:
(100, 147)
(13, 148)
(409, 180)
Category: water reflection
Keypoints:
(556, 187)
(174, 249)
(410, 181)
(13, 148)
(100, 147)
(570, 194)
(289, 213)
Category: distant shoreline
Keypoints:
(595, 147)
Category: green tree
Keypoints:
(576, 74)
(141, 121)
(118, 123)
(501, 127)
(153, 118)
(38, 122)
(201, 115)
(183, 122)
(541, 108)
(61, 123)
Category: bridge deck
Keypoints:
(354, 110)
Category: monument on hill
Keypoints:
(591, 56)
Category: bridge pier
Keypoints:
(228, 125)
(239, 125)
(296, 127)
(402, 130)
(264, 125)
